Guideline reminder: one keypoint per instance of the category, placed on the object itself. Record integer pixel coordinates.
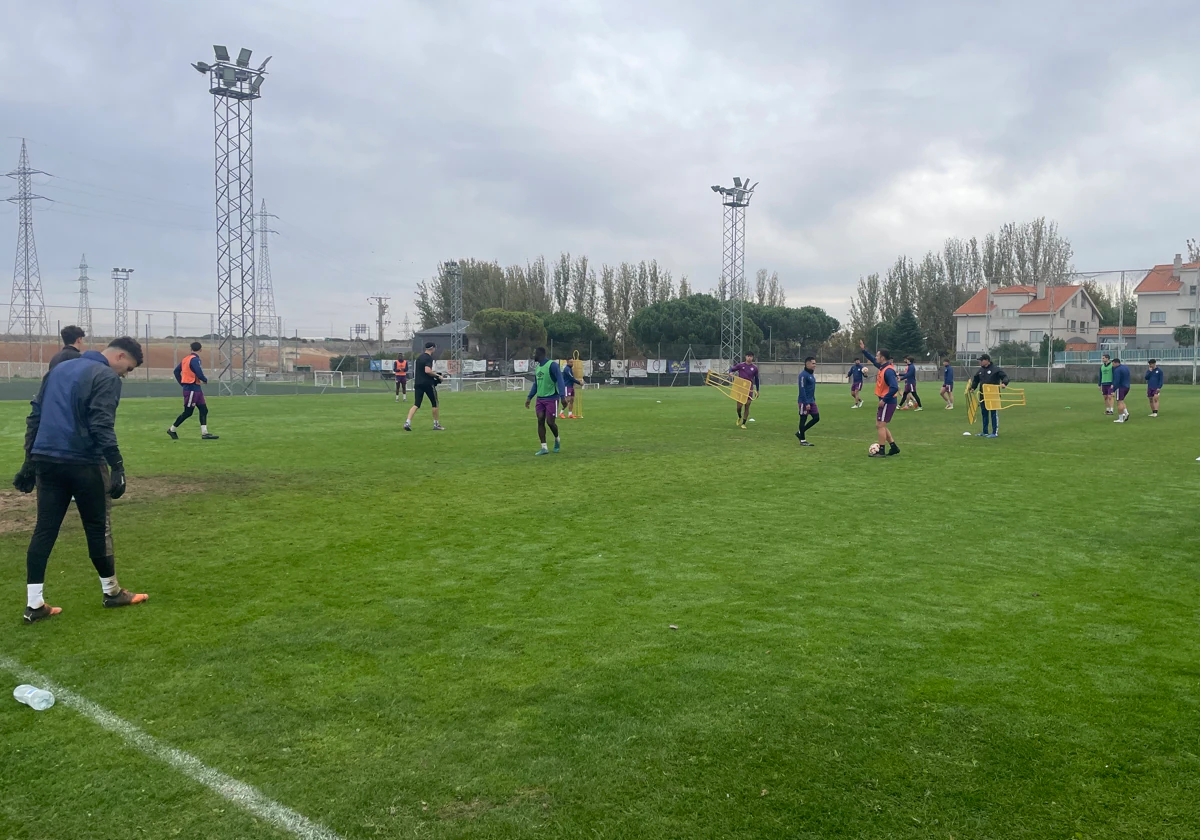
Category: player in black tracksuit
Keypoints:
(988, 374)
(71, 452)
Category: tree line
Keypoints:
(577, 305)
(910, 307)
(607, 295)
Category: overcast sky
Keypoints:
(392, 135)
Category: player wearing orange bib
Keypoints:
(400, 368)
(189, 375)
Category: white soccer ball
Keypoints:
(875, 449)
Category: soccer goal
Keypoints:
(499, 383)
(335, 379)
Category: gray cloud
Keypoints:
(394, 135)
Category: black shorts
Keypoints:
(422, 391)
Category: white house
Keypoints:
(1166, 299)
(1025, 314)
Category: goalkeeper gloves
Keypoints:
(116, 482)
(26, 478)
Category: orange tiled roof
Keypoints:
(975, 305)
(1113, 331)
(1161, 279)
(1054, 299)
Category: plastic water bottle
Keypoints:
(35, 698)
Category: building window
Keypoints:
(973, 337)
(1192, 290)
(1008, 313)
(1071, 326)
(1004, 335)
(1035, 336)
(1084, 326)
(1191, 316)
(1158, 317)
(1075, 302)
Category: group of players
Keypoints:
(71, 451)
(1114, 380)
(553, 387)
(1115, 385)
(887, 391)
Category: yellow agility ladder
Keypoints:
(734, 387)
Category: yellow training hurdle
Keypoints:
(995, 398)
(734, 387)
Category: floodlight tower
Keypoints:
(84, 318)
(120, 278)
(733, 267)
(234, 87)
(27, 309)
(455, 275)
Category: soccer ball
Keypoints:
(874, 449)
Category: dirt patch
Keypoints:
(526, 797)
(18, 511)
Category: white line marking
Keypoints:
(239, 793)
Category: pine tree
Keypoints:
(905, 336)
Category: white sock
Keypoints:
(204, 429)
(172, 429)
(557, 439)
(543, 446)
(33, 595)
(109, 585)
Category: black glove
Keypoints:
(116, 482)
(26, 478)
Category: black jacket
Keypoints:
(990, 375)
(74, 414)
(67, 353)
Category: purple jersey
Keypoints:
(746, 371)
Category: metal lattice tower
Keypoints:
(455, 275)
(264, 294)
(27, 308)
(83, 319)
(234, 87)
(382, 307)
(733, 268)
(120, 277)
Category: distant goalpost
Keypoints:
(498, 383)
(334, 379)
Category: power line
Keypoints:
(92, 212)
(132, 198)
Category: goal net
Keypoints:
(499, 383)
(329, 379)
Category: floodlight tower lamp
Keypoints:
(243, 59)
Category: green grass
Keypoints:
(440, 636)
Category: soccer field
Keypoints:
(437, 635)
